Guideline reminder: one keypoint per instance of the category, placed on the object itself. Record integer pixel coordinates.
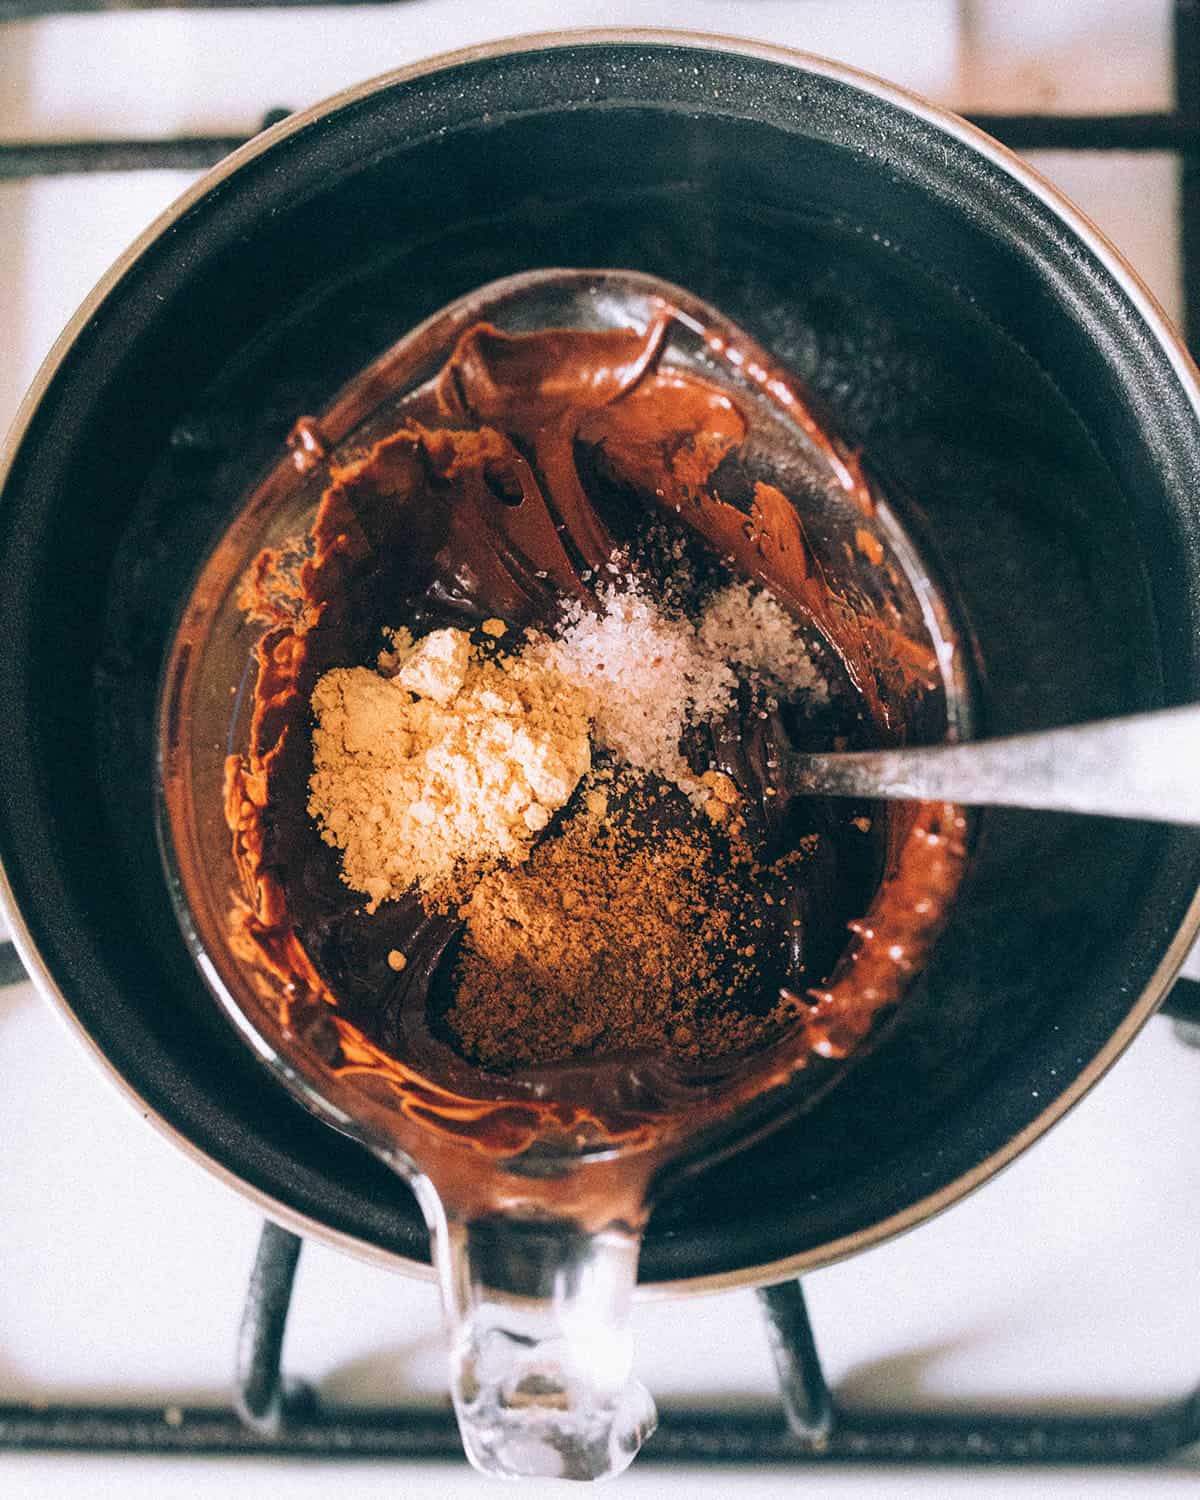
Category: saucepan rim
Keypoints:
(946, 122)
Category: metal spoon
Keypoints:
(1145, 766)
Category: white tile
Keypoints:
(1067, 56)
(124, 1264)
(1133, 197)
(69, 1478)
(58, 235)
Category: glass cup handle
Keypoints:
(541, 1347)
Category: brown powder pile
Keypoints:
(457, 759)
(613, 938)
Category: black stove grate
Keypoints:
(271, 1416)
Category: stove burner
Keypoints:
(271, 1416)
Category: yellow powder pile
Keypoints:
(459, 758)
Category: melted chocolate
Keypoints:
(506, 490)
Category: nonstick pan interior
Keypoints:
(1034, 433)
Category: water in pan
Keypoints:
(919, 378)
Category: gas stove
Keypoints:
(1051, 1319)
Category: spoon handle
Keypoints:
(1146, 766)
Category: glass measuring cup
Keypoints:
(534, 1187)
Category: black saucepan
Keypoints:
(981, 342)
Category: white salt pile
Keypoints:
(749, 628)
(646, 675)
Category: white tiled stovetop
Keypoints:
(1071, 1279)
